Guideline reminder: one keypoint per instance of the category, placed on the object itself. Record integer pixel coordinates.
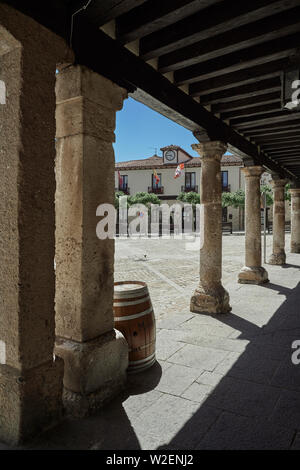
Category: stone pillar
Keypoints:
(210, 296)
(278, 255)
(295, 220)
(30, 377)
(252, 272)
(95, 355)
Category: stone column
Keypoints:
(210, 296)
(30, 378)
(95, 355)
(252, 272)
(295, 220)
(278, 255)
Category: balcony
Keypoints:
(188, 189)
(226, 189)
(156, 189)
(124, 189)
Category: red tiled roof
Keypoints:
(157, 162)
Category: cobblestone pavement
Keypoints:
(223, 382)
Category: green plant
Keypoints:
(189, 198)
(287, 194)
(143, 198)
(236, 199)
(117, 195)
(265, 189)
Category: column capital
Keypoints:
(250, 171)
(79, 80)
(214, 149)
(295, 191)
(277, 182)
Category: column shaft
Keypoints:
(30, 379)
(278, 255)
(295, 220)
(210, 296)
(95, 355)
(252, 272)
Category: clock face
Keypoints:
(170, 155)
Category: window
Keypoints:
(190, 180)
(123, 183)
(224, 176)
(224, 214)
(154, 183)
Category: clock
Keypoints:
(170, 155)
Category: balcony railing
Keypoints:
(188, 189)
(124, 189)
(226, 189)
(156, 189)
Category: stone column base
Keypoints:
(277, 258)
(295, 247)
(95, 371)
(210, 300)
(30, 401)
(253, 275)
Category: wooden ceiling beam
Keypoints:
(272, 130)
(154, 15)
(279, 137)
(260, 120)
(284, 145)
(240, 77)
(284, 152)
(252, 90)
(246, 103)
(241, 59)
(272, 27)
(216, 19)
(250, 111)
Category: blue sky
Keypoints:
(139, 130)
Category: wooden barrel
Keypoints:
(134, 317)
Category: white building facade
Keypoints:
(140, 176)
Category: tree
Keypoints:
(265, 189)
(287, 194)
(117, 195)
(189, 198)
(143, 198)
(236, 199)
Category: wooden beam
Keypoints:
(246, 103)
(129, 71)
(272, 118)
(284, 145)
(103, 11)
(252, 90)
(241, 59)
(277, 136)
(273, 144)
(230, 80)
(286, 152)
(290, 144)
(269, 28)
(293, 136)
(274, 129)
(264, 108)
(154, 15)
(216, 19)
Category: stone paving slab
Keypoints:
(198, 357)
(220, 382)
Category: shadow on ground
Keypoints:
(253, 402)
(259, 397)
(110, 429)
